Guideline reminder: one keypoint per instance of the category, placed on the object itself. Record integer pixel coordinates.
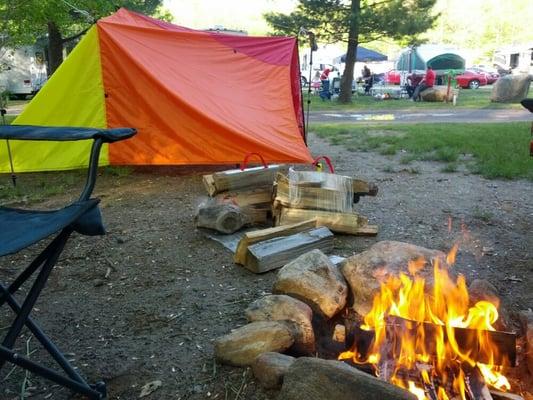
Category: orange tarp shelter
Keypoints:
(195, 97)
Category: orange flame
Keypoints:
(412, 345)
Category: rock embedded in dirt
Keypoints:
(318, 379)
(282, 307)
(270, 368)
(314, 279)
(242, 345)
(365, 271)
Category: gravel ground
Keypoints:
(145, 302)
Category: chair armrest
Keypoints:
(528, 104)
(58, 133)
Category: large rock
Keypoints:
(282, 307)
(510, 88)
(436, 95)
(270, 368)
(244, 344)
(365, 271)
(318, 379)
(314, 279)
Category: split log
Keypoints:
(275, 253)
(348, 223)
(476, 387)
(314, 279)
(224, 218)
(244, 344)
(243, 198)
(317, 379)
(237, 179)
(252, 237)
(270, 368)
(497, 395)
(258, 214)
(286, 308)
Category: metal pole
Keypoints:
(312, 47)
(13, 176)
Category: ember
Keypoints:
(430, 341)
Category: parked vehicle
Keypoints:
(471, 79)
(392, 77)
(22, 71)
(492, 76)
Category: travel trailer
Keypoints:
(22, 71)
(516, 59)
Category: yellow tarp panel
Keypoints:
(73, 96)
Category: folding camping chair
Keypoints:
(20, 229)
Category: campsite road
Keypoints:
(415, 116)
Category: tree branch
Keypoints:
(77, 35)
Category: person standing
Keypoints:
(426, 83)
(324, 91)
(367, 79)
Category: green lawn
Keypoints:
(467, 98)
(492, 150)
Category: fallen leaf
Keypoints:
(149, 388)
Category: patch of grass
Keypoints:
(450, 167)
(120, 171)
(388, 151)
(498, 150)
(482, 215)
(388, 168)
(35, 187)
(466, 98)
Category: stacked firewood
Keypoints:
(329, 198)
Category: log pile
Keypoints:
(329, 200)
(248, 192)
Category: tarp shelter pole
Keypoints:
(312, 47)
(3, 111)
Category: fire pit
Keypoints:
(411, 323)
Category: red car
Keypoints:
(471, 80)
(392, 77)
(491, 76)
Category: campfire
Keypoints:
(424, 337)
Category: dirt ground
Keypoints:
(145, 302)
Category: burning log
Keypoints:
(476, 387)
(467, 339)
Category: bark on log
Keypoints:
(239, 179)
(224, 218)
(317, 379)
(275, 253)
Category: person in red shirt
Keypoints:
(426, 83)
(324, 78)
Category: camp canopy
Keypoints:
(441, 59)
(195, 97)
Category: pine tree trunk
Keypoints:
(345, 95)
(55, 47)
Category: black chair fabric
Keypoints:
(22, 228)
(58, 133)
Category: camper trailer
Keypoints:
(516, 59)
(22, 70)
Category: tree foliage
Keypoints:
(61, 21)
(355, 22)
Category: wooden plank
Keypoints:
(252, 237)
(246, 197)
(238, 179)
(275, 253)
(348, 223)
(363, 188)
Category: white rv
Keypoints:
(518, 59)
(22, 71)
